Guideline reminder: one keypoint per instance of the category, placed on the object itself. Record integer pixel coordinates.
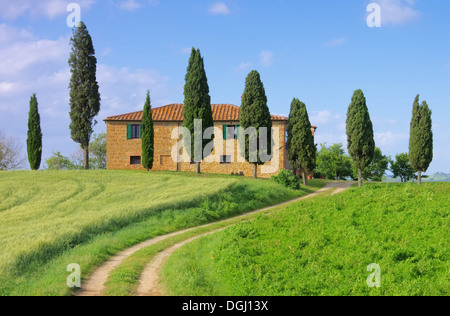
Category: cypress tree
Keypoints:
(361, 143)
(34, 139)
(197, 106)
(301, 149)
(255, 114)
(84, 94)
(147, 135)
(421, 138)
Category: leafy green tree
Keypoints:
(59, 162)
(254, 117)
(333, 163)
(97, 152)
(401, 168)
(421, 138)
(84, 90)
(197, 106)
(148, 141)
(34, 139)
(376, 170)
(361, 143)
(301, 150)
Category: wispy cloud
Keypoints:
(129, 5)
(219, 8)
(243, 66)
(266, 58)
(397, 12)
(40, 65)
(185, 50)
(12, 10)
(336, 42)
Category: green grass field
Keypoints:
(51, 219)
(323, 246)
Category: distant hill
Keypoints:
(437, 177)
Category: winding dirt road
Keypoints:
(148, 284)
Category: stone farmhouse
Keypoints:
(124, 142)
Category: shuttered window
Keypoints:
(134, 131)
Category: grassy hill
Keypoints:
(51, 219)
(323, 246)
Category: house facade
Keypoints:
(124, 142)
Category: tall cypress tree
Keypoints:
(147, 135)
(421, 138)
(361, 143)
(34, 139)
(197, 106)
(255, 113)
(301, 149)
(84, 94)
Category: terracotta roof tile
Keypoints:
(174, 112)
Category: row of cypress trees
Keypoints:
(360, 137)
(85, 105)
(361, 144)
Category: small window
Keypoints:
(229, 132)
(224, 160)
(135, 131)
(135, 160)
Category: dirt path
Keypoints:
(148, 283)
(95, 285)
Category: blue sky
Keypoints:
(318, 51)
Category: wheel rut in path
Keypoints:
(95, 285)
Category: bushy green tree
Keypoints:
(301, 150)
(255, 116)
(59, 162)
(97, 157)
(148, 141)
(421, 138)
(333, 163)
(401, 168)
(97, 152)
(361, 143)
(376, 170)
(84, 90)
(34, 139)
(197, 106)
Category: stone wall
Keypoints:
(120, 150)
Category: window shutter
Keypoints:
(238, 127)
(129, 131)
(140, 132)
(225, 132)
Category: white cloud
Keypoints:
(243, 66)
(186, 50)
(13, 9)
(397, 12)
(129, 5)
(390, 140)
(219, 8)
(266, 58)
(321, 118)
(336, 42)
(33, 65)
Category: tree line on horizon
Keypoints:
(302, 152)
